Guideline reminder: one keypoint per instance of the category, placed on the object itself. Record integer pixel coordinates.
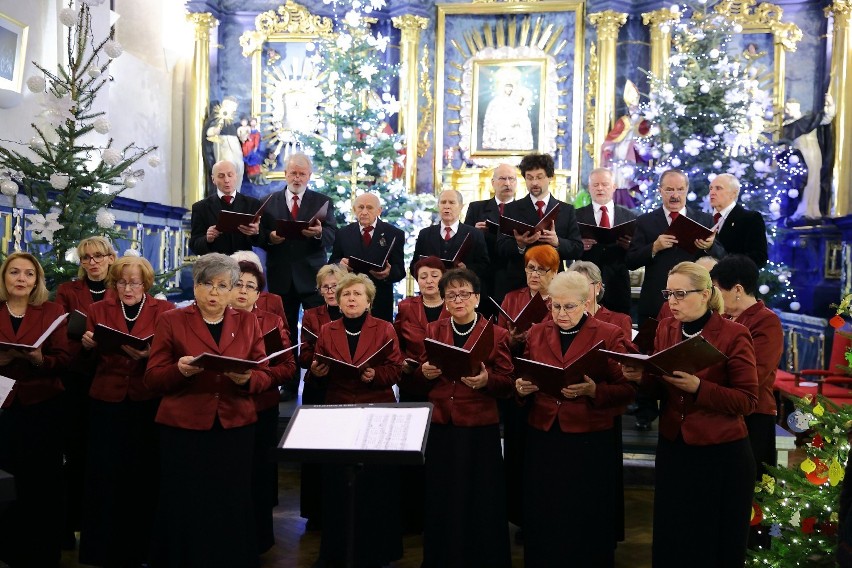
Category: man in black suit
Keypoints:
(742, 231)
(603, 212)
(292, 263)
(444, 239)
(564, 235)
(504, 181)
(204, 237)
(369, 238)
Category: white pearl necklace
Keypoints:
(566, 332)
(352, 333)
(440, 303)
(217, 322)
(13, 314)
(463, 333)
(97, 291)
(690, 335)
(136, 317)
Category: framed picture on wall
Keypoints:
(13, 53)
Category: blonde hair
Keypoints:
(591, 271)
(39, 293)
(98, 244)
(699, 279)
(145, 269)
(566, 283)
(353, 279)
(329, 270)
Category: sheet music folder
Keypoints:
(109, 339)
(461, 253)
(686, 230)
(24, 347)
(378, 434)
(690, 356)
(225, 364)
(551, 379)
(342, 370)
(293, 229)
(607, 235)
(508, 225)
(365, 266)
(534, 312)
(456, 362)
(229, 221)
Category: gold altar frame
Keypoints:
(290, 23)
(502, 9)
(13, 34)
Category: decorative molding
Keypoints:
(289, 19)
(592, 87)
(660, 22)
(608, 23)
(764, 16)
(426, 109)
(202, 23)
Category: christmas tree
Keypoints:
(354, 149)
(67, 175)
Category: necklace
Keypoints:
(439, 303)
(136, 317)
(690, 335)
(97, 291)
(565, 332)
(463, 333)
(13, 314)
(217, 322)
(352, 333)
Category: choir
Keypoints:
(178, 441)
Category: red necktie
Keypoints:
(716, 217)
(500, 208)
(227, 199)
(366, 237)
(448, 233)
(604, 217)
(673, 215)
(540, 206)
(294, 211)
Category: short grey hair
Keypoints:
(588, 269)
(457, 192)
(566, 283)
(601, 171)
(732, 180)
(298, 156)
(215, 264)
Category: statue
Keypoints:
(221, 135)
(619, 149)
(252, 154)
(811, 135)
(507, 124)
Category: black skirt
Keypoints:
(310, 486)
(465, 522)
(264, 476)
(570, 490)
(121, 483)
(205, 517)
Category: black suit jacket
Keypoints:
(610, 259)
(429, 242)
(744, 232)
(570, 245)
(205, 213)
(481, 211)
(295, 262)
(648, 227)
(348, 243)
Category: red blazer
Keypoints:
(75, 295)
(768, 338)
(728, 390)
(312, 319)
(285, 366)
(195, 402)
(581, 414)
(271, 303)
(36, 384)
(332, 342)
(455, 402)
(410, 325)
(118, 376)
(619, 320)
(513, 303)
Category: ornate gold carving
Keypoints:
(199, 99)
(763, 16)
(660, 22)
(202, 23)
(291, 18)
(841, 89)
(589, 121)
(608, 23)
(839, 9)
(426, 115)
(411, 26)
(409, 22)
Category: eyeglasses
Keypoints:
(564, 308)
(220, 288)
(540, 270)
(248, 287)
(679, 294)
(131, 285)
(536, 178)
(97, 257)
(505, 179)
(453, 296)
(329, 288)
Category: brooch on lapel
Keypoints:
(382, 242)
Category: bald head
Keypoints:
(225, 177)
(367, 209)
(504, 181)
(724, 190)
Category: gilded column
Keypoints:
(199, 98)
(841, 90)
(607, 24)
(408, 91)
(660, 22)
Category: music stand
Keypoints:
(354, 435)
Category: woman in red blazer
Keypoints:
(540, 264)
(282, 370)
(705, 469)
(123, 455)
(465, 523)
(736, 277)
(31, 420)
(266, 301)
(310, 486)
(353, 339)
(205, 516)
(570, 484)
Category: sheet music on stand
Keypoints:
(389, 434)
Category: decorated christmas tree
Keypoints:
(69, 170)
(354, 149)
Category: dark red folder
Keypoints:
(365, 266)
(690, 356)
(223, 364)
(456, 362)
(293, 229)
(109, 339)
(508, 225)
(342, 370)
(230, 221)
(551, 379)
(607, 235)
(534, 312)
(686, 230)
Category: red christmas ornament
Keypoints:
(808, 524)
(828, 529)
(817, 442)
(819, 475)
(837, 321)
(756, 514)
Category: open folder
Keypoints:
(364, 266)
(534, 312)
(230, 221)
(508, 225)
(686, 230)
(607, 235)
(461, 253)
(342, 370)
(223, 364)
(551, 379)
(109, 339)
(293, 229)
(38, 343)
(645, 335)
(689, 356)
(457, 362)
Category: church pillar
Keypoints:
(841, 90)
(198, 100)
(607, 23)
(408, 91)
(660, 22)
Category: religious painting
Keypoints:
(13, 51)
(507, 105)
